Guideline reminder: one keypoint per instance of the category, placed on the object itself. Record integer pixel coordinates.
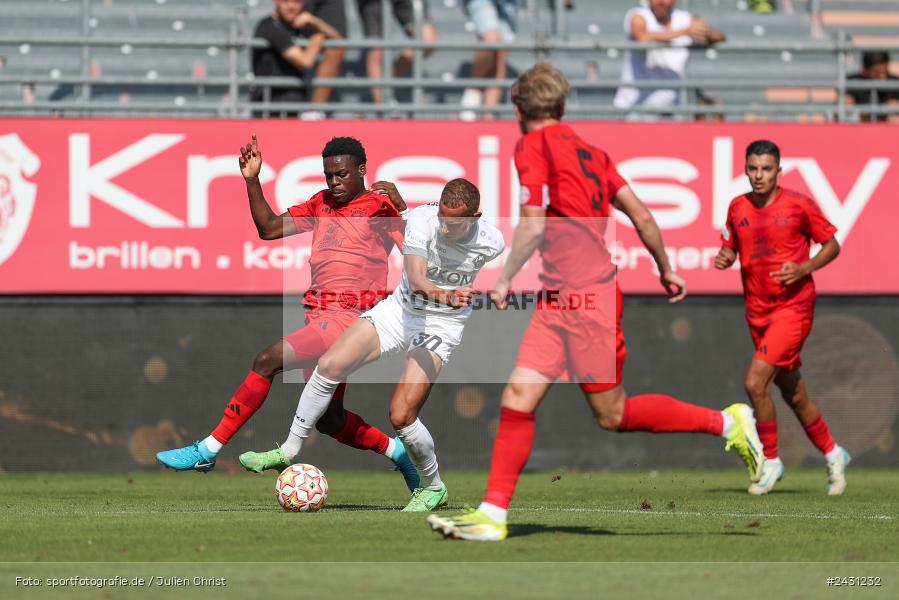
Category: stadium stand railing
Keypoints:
(190, 58)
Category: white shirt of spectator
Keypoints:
(451, 263)
(666, 62)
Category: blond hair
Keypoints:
(539, 93)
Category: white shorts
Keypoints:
(400, 330)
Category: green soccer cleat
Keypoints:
(473, 526)
(258, 462)
(745, 439)
(424, 500)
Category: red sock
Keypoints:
(246, 400)
(819, 434)
(768, 436)
(511, 450)
(356, 433)
(659, 413)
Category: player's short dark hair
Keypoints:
(760, 147)
(345, 146)
(872, 58)
(461, 192)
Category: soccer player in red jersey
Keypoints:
(770, 229)
(353, 232)
(568, 191)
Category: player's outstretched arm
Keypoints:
(269, 225)
(417, 273)
(640, 32)
(648, 230)
(527, 237)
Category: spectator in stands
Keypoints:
(761, 6)
(372, 21)
(875, 67)
(677, 29)
(705, 101)
(283, 58)
(333, 13)
(494, 21)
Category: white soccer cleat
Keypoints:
(836, 473)
(772, 472)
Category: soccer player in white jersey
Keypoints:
(445, 246)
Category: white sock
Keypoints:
(493, 511)
(213, 445)
(420, 447)
(313, 403)
(391, 446)
(833, 454)
(728, 424)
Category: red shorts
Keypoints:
(585, 343)
(779, 342)
(322, 329)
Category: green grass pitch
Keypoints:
(573, 534)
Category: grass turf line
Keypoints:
(700, 515)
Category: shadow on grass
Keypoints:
(360, 507)
(744, 492)
(524, 529)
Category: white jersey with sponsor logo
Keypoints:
(451, 263)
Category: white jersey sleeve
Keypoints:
(420, 229)
(451, 263)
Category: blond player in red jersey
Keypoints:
(568, 191)
(771, 229)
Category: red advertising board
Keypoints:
(158, 206)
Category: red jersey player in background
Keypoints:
(770, 228)
(350, 246)
(568, 191)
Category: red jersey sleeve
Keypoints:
(728, 237)
(819, 228)
(533, 172)
(304, 214)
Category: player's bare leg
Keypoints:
(608, 407)
(328, 67)
(494, 95)
(483, 66)
(758, 382)
(250, 395)
(344, 426)
(356, 347)
(421, 370)
(511, 450)
(659, 413)
(792, 388)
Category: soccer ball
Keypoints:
(301, 488)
